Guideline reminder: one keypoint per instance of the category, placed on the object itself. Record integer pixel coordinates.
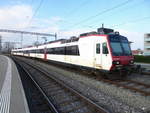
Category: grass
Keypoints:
(143, 59)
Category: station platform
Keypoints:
(144, 65)
(12, 96)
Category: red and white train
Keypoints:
(104, 51)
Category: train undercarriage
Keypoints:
(121, 72)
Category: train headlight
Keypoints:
(131, 62)
(116, 62)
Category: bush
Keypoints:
(144, 59)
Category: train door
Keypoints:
(98, 55)
(45, 53)
(105, 56)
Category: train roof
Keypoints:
(100, 32)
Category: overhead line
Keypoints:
(77, 8)
(74, 10)
(35, 12)
(132, 21)
(26, 32)
(91, 25)
(102, 12)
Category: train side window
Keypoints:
(37, 51)
(68, 50)
(49, 51)
(98, 48)
(62, 50)
(105, 49)
(72, 50)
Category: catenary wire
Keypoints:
(74, 10)
(37, 9)
(98, 21)
(131, 21)
(100, 13)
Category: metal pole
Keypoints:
(8, 47)
(37, 38)
(37, 41)
(102, 25)
(0, 43)
(21, 40)
(55, 36)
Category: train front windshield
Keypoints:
(120, 45)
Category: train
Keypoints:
(102, 51)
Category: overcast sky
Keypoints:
(72, 17)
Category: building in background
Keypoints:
(147, 44)
(137, 52)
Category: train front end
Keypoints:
(122, 58)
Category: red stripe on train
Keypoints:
(45, 56)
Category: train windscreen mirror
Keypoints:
(98, 48)
(105, 49)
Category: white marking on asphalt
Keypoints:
(6, 90)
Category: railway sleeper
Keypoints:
(71, 107)
(66, 100)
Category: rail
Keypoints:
(95, 108)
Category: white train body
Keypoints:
(93, 51)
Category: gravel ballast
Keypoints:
(114, 99)
(140, 78)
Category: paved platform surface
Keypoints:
(12, 97)
(144, 65)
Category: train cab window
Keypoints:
(105, 49)
(98, 48)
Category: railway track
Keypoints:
(36, 98)
(134, 86)
(63, 98)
